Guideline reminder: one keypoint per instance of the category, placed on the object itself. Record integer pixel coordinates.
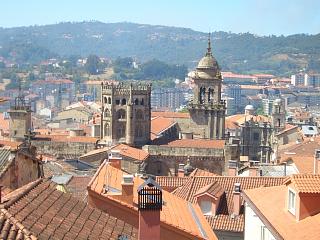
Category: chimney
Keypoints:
(232, 170)
(316, 160)
(115, 159)
(236, 199)
(254, 172)
(181, 170)
(149, 205)
(127, 189)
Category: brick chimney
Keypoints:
(181, 170)
(149, 205)
(127, 189)
(316, 161)
(115, 159)
(254, 172)
(236, 199)
(232, 169)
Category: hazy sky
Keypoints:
(263, 17)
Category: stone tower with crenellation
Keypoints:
(126, 113)
(207, 110)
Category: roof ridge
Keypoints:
(18, 224)
(23, 193)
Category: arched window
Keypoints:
(142, 101)
(105, 99)
(106, 112)
(124, 101)
(139, 114)
(139, 130)
(210, 95)
(121, 114)
(107, 130)
(121, 131)
(117, 102)
(136, 101)
(109, 100)
(202, 93)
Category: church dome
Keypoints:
(208, 62)
(249, 107)
(208, 67)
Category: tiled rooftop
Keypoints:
(223, 220)
(175, 212)
(305, 183)
(170, 114)
(197, 143)
(159, 125)
(273, 209)
(40, 211)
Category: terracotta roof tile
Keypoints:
(197, 172)
(273, 209)
(64, 138)
(305, 183)
(191, 187)
(175, 212)
(170, 183)
(131, 152)
(196, 143)
(159, 125)
(214, 189)
(48, 213)
(170, 114)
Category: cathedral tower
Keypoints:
(126, 114)
(278, 115)
(207, 110)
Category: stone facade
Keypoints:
(21, 168)
(126, 114)
(165, 160)
(20, 119)
(207, 110)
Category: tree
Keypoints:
(92, 64)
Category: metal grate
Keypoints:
(150, 196)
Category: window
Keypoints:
(124, 102)
(266, 234)
(206, 207)
(292, 202)
(256, 136)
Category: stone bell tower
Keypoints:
(207, 110)
(20, 118)
(278, 115)
(126, 114)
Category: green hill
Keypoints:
(235, 52)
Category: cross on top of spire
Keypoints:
(209, 53)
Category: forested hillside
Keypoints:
(235, 52)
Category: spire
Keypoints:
(209, 53)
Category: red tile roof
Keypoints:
(305, 183)
(223, 220)
(197, 143)
(170, 114)
(159, 125)
(272, 210)
(175, 214)
(171, 183)
(63, 138)
(131, 152)
(213, 189)
(40, 211)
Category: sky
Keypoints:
(262, 17)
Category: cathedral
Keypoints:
(207, 110)
(126, 108)
(126, 113)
